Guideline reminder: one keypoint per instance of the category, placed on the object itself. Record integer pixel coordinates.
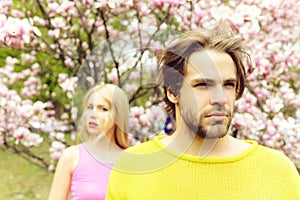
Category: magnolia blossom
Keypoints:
(58, 23)
(145, 123)
(68, 62)
(130, 88)
(21, 133)
(16, 31)
(22, 119)
(56, 150)
(273, 105)
(249, 12)
(145, 120)
(221, 12)
(113, 76)
(27, 58)
(69, 84)
(137, 111)
(32, 139)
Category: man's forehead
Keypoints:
(209, 64)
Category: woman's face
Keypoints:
(99, 115)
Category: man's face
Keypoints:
(207, 96)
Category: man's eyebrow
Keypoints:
(202, 80)
(207, 80)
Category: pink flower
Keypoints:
(18, 28)
(273, 104)
(134, 75)
(158, 3)
(39, 106)
(249, 12)
(62, 77)
(221, 12)
(113, 76)
(11, 106)
(35, 68)
(130, 88)
(27, 58)
(54, 33)
(85, 45)
(25, 111)
(133, 122)
(3, 90)
(20, 133)
(68, 62)
(54, 7)
(56, 150)
(6, 4)
(156, 113)
(144, 10)
(17, 14)
(262, 92)
(60, 136)
(11, 62)
(66, 6)
(58, 23)
(136, 111)
(64, 116)
(74, 113)
(2, 20)
(69, 84)
(32, 139)
(145, 120)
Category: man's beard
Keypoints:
(214, 130)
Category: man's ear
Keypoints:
(171, 96)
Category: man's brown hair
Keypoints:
(174, 58)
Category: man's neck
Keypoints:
(186, 142)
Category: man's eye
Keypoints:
(201, 85)
(90, 106)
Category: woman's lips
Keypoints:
(93, 124)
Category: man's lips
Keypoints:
(217, 116)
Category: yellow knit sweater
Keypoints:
(154, 171)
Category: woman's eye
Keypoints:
(104, 109)
(90, 106)
(230, 84)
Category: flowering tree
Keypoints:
(54, 50)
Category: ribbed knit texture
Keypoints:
(154, 171)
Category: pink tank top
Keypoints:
(90, 177)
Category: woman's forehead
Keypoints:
(98, 98)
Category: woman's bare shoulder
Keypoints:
(70, 155)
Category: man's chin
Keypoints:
(212, 132)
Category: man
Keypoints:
(203, 73)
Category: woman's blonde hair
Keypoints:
(120, 112)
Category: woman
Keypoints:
(83, 170)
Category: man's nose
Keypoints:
(218, 95)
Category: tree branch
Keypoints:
(107, 36)
(142, 90)
(44, 13)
